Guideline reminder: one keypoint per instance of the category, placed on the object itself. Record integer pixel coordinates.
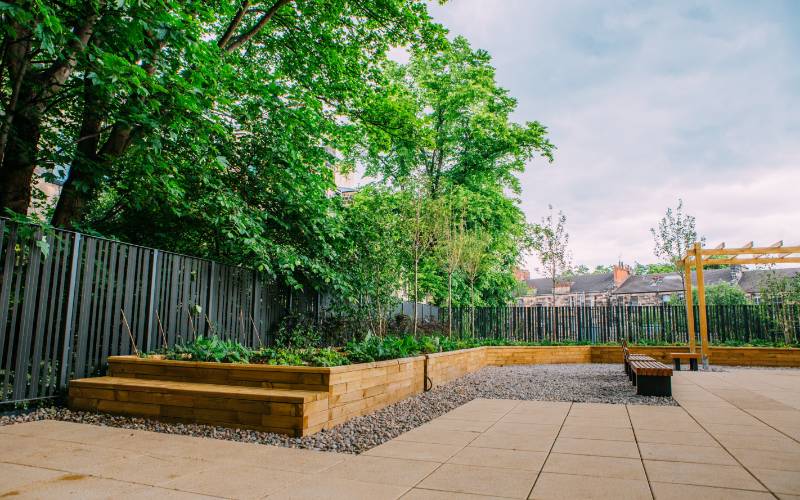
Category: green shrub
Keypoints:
(313, 356)
(298, 331)
(209, 349)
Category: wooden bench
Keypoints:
(691, 356)
(634, 357)
(651, 378)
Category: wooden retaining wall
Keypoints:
(725, 356)
(537, 355)
(303, 400)
(363, 388)
(446, 366)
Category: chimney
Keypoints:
(621, 273)
(736, 273)
(521, 274)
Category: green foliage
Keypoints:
(776, 288)
(297, 332)
(718, 294)
(660, 268)
(299, 357)
(209, 349)
(724, 294)
(675, 235)
(374, 348)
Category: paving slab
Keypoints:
(736, 435)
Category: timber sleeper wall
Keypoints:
(303, 400)
(311, 398)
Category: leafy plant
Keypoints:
(210, 349)
(298, 331)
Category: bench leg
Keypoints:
(653, 386)
(677, 362)
(693, 364)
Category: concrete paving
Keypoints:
(735, 435)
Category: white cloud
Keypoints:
(648, 103)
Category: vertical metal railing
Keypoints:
(68, 301)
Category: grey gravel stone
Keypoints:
(593, 383)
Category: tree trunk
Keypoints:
(553, 315)
(19, 158)
(16, 58)
(81, 176)
(472, 308)
(450, 305)
(416, 297)
(24, 131)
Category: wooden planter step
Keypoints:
(286, 411)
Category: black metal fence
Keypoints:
(68, 301)
(599, 324)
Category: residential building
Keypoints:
(583, 289)
(621, 287)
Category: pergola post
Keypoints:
(687, 294)
(701, 303)
(748, 254)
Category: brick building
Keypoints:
(621, 287)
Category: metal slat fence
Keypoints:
(600, 324)
(64, 311)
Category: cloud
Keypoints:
(650, 102)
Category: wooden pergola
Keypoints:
(699, 257)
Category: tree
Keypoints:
(443, 121)
(211, 128)
(642, 269)
(474, 253)
(724, 294)
(135, 75)
(372, 226)
(552, 247)
(552, 250)
(674, 237)
(784, 292)
(577, 271)
(451, 254)
(423, 219)
(718, 294)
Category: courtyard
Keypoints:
(735, 434)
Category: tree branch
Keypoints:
(244, 38)
(233, 24)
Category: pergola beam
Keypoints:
(750, 251)
(697, 257)
(752, 260)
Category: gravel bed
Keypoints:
(593, 383)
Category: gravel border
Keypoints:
(592, 383)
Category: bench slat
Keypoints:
(651, 368)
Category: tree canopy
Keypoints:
(216, 128)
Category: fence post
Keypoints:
(68, 336)
(151, 311)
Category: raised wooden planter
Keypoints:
(299, 400)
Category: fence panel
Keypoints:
(611, 323)
(68, 301)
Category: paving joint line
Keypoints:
(639, 450)
(463, 447)
(724, 447)
(755, 416)
(552, 445)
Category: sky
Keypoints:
(648, 102)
